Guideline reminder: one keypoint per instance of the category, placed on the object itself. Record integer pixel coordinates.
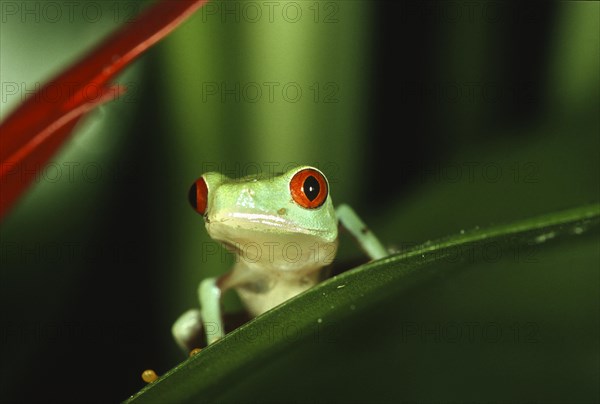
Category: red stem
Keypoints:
(35, 130)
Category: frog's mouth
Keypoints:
(260, 219)
(249, 223)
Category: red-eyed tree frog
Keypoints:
(284, 230)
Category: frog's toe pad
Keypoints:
(187, 330)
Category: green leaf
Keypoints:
(373, 324)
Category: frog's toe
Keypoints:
(187, 330)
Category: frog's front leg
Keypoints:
(187, 330)
(210, 291)
(359, 230)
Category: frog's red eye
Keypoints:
(309, 188)
(198, 195)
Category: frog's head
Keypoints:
(293, 209)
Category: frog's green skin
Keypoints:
(281, 246)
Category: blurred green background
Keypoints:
(429, 118)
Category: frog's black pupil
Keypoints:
(311, 188)
(192, 196)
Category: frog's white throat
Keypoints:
(271, 249)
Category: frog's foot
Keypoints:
(187, 330)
